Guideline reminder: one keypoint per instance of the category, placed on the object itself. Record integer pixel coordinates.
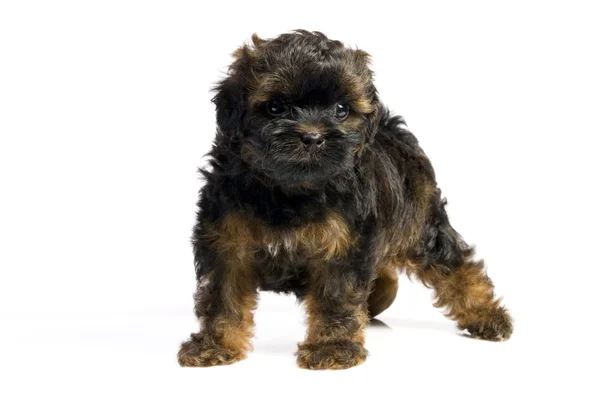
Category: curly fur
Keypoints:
(332, 224)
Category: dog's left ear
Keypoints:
(371, 126)
(364, 81)
(373, 119)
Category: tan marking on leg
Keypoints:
(335, 335)
(468, 296)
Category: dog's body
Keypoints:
(316, 190)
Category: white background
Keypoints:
(105, 115)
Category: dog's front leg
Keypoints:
(336, 305)
(225, 299)
(224, 306)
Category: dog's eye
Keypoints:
(276, 108)
(341, 111)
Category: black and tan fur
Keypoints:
(332, 223)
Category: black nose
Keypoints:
(312, 140)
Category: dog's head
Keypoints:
(302, 106)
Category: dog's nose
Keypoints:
(312, 140)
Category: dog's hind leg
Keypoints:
(460, 283)
(468, 296)
(383, 290)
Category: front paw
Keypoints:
(495, 325)
(202, 351)
(335, 354)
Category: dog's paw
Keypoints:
(495, 325)
(201, 351)
(340, 354)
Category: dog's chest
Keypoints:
(326, 238)
(285, 242)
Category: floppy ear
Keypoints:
(229, 102)
(373, 119)
(371, 126)
(230, 93)
(363, 81)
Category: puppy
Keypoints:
(315, 189)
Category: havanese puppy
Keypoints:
(315, 189)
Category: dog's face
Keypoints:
(303, 107)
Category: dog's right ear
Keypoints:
(229, 102)
(230, 98)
